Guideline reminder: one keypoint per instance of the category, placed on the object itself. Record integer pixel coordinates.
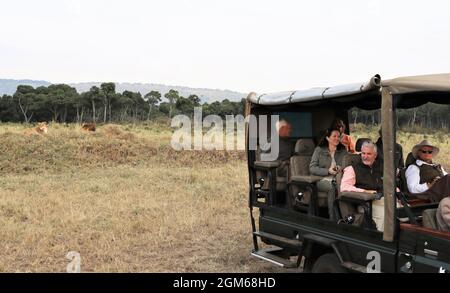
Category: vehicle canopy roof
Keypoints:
(418, 90)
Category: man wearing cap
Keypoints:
(425, 178)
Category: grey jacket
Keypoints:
(321, 160)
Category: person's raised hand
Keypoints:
(332, 171)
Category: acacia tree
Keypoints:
(107, 95)
(93, 96)
(57, 98)
(126, 101)
(8, 109)
(139, 103)
(152, 98)
(81, 102)
(71, 97)
(187, 105)
(26, 97)
(172, 96)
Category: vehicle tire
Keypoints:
(328, 263)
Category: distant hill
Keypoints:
(206, 95)
(9, 86)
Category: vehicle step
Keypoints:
(354, 267)
(274, 259)
(295, 243)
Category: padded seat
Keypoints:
(358, 195)
(267, 164)
(360, 142)
(409, 160)
(307, 179)
(429, 219)
(403, 184)
(300, 182)
(281, 182)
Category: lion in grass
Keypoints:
(88, 127)
(41, 128)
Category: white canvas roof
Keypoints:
(410, 84)
(314, 94)
(401, 85)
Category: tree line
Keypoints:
(62, 103)
(431, 116)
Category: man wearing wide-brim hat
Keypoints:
(425, 178)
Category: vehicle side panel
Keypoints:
(354, 243)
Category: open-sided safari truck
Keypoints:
(294, 229)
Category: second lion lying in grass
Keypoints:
(41, 128)
(88, 127)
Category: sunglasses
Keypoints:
(426, 152)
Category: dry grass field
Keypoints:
(124, 200)
(127, 202)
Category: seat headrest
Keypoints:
(429, 219)
(409, 160)
(360, 142)
(304, 146)
(350, 159)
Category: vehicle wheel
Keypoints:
(328, 263)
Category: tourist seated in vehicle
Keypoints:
(366, 174)
(345, 139)
(326, 161)
(328, 155)
(425, 178)
(285, 151)
(286, 146)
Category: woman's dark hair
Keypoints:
(337, 123)
(324, 142)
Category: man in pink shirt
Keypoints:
(366, 174)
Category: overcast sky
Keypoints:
(243, 45)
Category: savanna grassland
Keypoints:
(127, 202)
(122, 198)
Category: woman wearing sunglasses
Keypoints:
(425, 178)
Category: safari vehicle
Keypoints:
(288, 232)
